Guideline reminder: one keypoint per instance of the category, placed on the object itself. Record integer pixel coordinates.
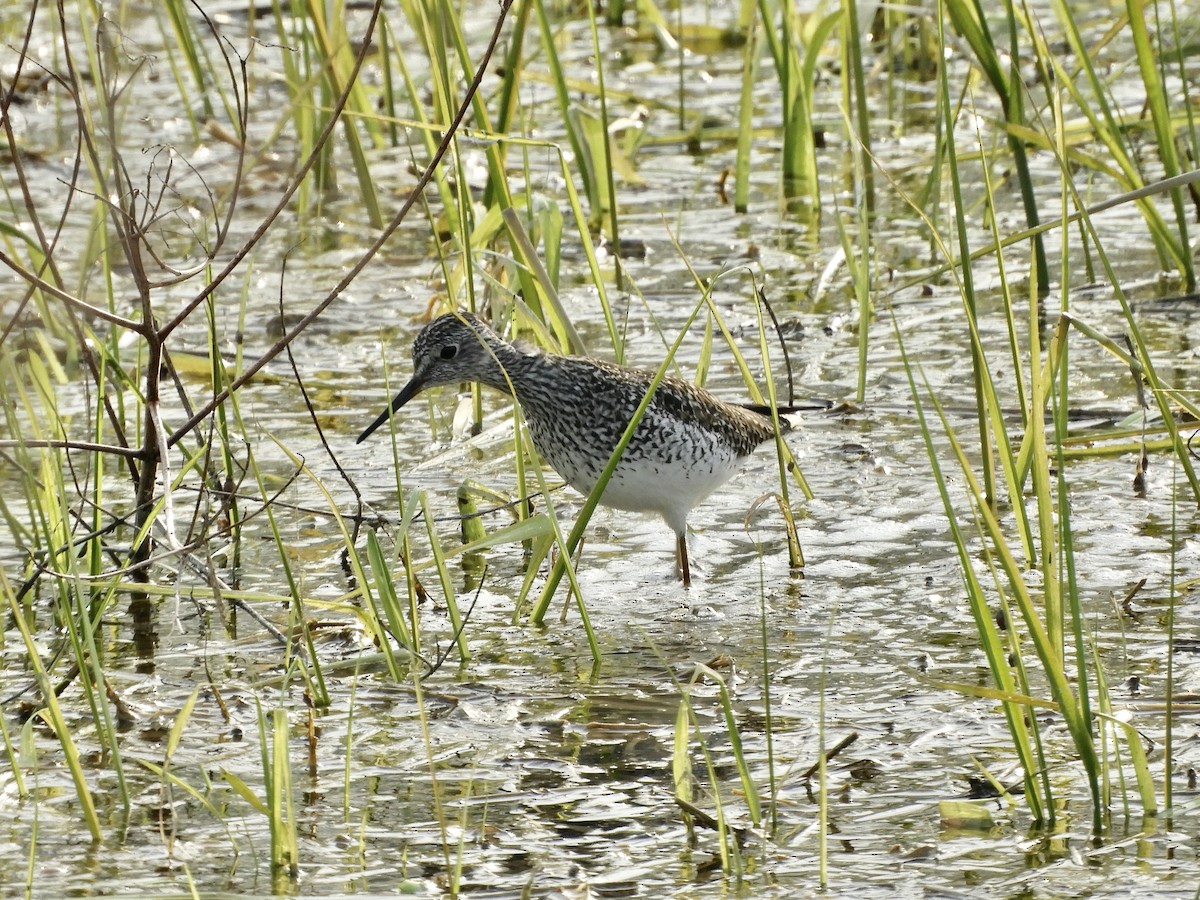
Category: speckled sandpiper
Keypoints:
(687, 444)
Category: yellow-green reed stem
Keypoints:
(559, 81)
(1012, 326)
(1177, 52)
(1040, 803)
(823, 769)
(1047, 649)
(296, 614)
(783, 453)
(427, 131)
(789, 459)
(1067, 574)
(582, 234)
(89, 657)
(1097, 451)
(34, 831)
(299, 75)
(1169, 714)
(978, 364)
(466, 269)
(389, 56)
(435, 784)
(196, 59)
(14, 763)
(589, 251)
(858, 113)
(970, 20)
(800, 178)
(1012, 97)
(1149, 55)
(447, 582)
(681, 761)
(1024, 729)
(1138, 761)
(564, 564)
(1163, 396)
(98, 472)
(378, 565)
(686, 720)
(508, 101)
(31, 529)
(748, 24)
(406, 633)
(1112, 737)
(277, 786)
(1041, 807)
(680, 57)
(704, 358)
(337, 61)
(1109, 127)
(1054, 390)
(348, 743)
(219, 380)
(859, 264)
(77, 609)
(174, 737)
(776, 35)
(752, 798)
(447, 15)
(1014, 476)
(524, 509)
(768, 658)
(549, 221)
(539, 280)
(606, 147)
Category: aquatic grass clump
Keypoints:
(730, 836)
(99, 362)
(1011, 520)
(1038, 641)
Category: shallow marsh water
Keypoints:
(553, 777)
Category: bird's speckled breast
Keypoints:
(670, 464)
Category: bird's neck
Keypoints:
(510, 367)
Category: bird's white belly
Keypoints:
(656, 486)
(670, 487)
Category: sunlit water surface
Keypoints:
(528, 770)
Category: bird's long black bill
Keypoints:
(409, 391)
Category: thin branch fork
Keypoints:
(426, 176)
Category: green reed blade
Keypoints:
(447, 582)
(741, 764)
(389, 600)
(53, 714)
(1150, 63)
(1107, 126)
(970, 20)
(742, 159)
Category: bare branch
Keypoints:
(284, 200)
(426, 176)
(81, 305)
(114, 449)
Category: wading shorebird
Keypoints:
(687, 444)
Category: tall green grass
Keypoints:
(1044, 655)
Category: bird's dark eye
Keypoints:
(449, 352)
